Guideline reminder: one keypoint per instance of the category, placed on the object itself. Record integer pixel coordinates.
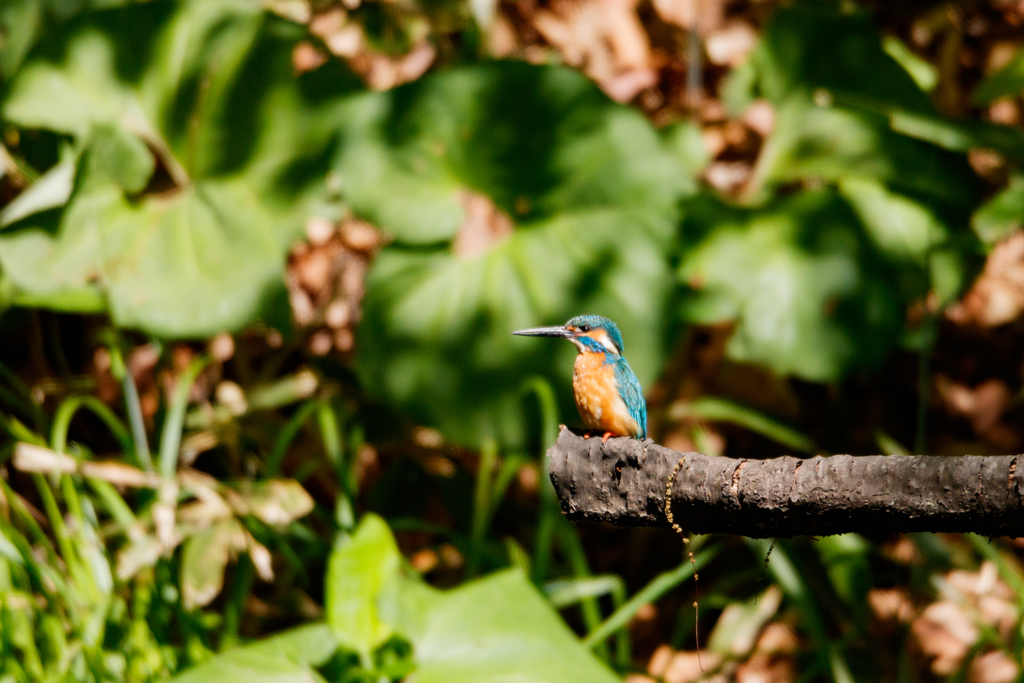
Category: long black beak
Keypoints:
(544, 332)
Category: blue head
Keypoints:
(590, 333)
(597, 334)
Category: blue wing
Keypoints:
(632, 394)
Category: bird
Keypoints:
(607, 393)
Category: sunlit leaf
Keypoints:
(584, 196)
(1002, 214)
(51, 191)
(835, 88)
(1006, 82)
(359, 569)
(924, 74)
(800, 278)
(19, 22)
(285, 658)
(206, 92)
(500, 629)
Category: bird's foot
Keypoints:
(607, 435)
(586, 434)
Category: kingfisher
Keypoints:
(608, 394)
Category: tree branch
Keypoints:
(623, 482)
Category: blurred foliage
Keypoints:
(194, 156)
(571, 169)
(285, 242)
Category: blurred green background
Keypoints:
(261, 416)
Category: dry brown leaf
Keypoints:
(997, 296)
(222, 347)
(944, 632)
(728, 176)
(760, 117)
(606, 39)
(120, 474)
(483, 226)
(306, 57)
(424, 561)
(276, 502)
(625, 86)
(777, 638)
(260, 557)
(992, 667)
(659, 661)
(502, 38)
(704, 15)
(730, 45)
(360, 236)
(765, 668)
(1005, 111)
(383, 73)
(230, 395)
(891, 604)
(31, 458)
(982, 405)
(685, 667)
(319, 231)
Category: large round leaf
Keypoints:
(838, 96)
(209, 91)
(810, 294)
(849, 216)
(591, 191)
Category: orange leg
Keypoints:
(607, 435)
(586, 434)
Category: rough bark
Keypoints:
(623, 482)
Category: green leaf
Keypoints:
(360, 567)
(500, 629)
(312, 644)
(19, 23)
(837, 143)
(811, 47)
(191, 264)
(113, 155)
(809, 294)
(1006, 82)
(738, 626)
(846, 558)
(911, 236)
(206, 92)
(284, 658)
(204, 557)
(1002, 214)
(586, 191)
(50, 191)
(924, 74)
(838, 94)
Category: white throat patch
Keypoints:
(601, 337)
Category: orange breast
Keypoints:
(597, 397)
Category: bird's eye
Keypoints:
(584, 328)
